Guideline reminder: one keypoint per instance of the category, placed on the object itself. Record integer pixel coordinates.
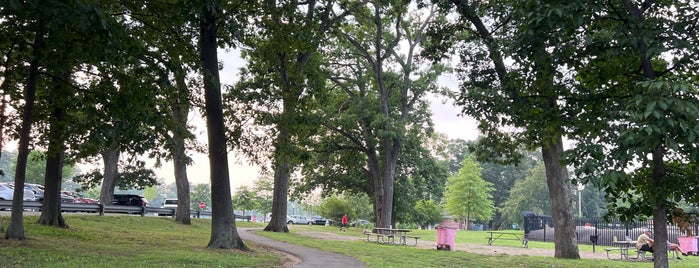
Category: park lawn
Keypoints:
(133, 241)
(379, 255)
(124, 241)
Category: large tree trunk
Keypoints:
(391, 150)
(51, 208)
(180, 111)
(279, 199)
(660, 212)
(110, 158)
(16, 228)
(223, 231)
(377, 188)
(561, 203)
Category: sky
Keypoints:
(444, 115)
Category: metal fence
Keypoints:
(540, 228)
(100, 209)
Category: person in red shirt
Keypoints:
(344, 222)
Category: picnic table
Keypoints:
(623, 248)
(388, 235)
(500, 235)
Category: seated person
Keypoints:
(678, 250)
(644, 242)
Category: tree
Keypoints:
(374, 119)
(529, 194)
(502, 176)
(223, 231)
(284, 78)
(263, 189)
(36, 168)
(174, 58)
(200, 193)
(640, 142)
(33, 14)
(519, 104)
(468, 196)
(244, 199)
(427, 212)
(335, 207)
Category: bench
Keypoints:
(414, 237)
(614, 249)
(498, 235)
(380, 238)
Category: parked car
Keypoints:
(129, 200)
(79, 198)
(7, 192)
(38, 190)
(169, 203)
(318, 220)
(296, 219)
(360, 223)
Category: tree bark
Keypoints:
(110, 158)
(51, 207)
(16, 228)
(223, 231)
(279, 198)
(180, 111)
(561, 203)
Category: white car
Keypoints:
(296, 219)
(169, 203)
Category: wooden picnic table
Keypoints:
(388, 235)
(495, 235)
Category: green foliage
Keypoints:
(334, 207)
(468, 196)
(243, 199)
(639, 146)
(529, 194)
(427, 212)
(263, 191)
(200, 193)
(360, 205)
(36, 168)
(131, 176)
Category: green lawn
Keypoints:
(123, 241)
(132, 241)
(379, 255)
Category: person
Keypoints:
(644, 242)
(675, 247)
(344, 222)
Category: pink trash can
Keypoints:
(445, 238)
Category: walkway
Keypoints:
(307, 257)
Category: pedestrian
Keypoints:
(344, 223)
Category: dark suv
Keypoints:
(129, 200)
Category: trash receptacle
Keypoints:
(445, 238)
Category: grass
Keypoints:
(131, 241)
(124, 241)
(378, 255)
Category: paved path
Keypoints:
(308, 257)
